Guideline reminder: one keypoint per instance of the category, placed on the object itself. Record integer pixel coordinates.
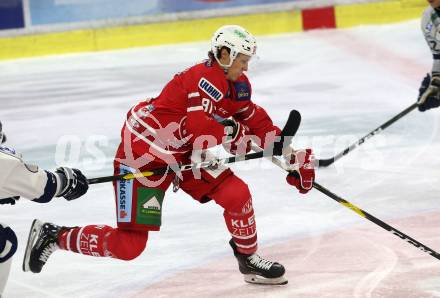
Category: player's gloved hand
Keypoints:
(429, 93)
(74, 183)
(304, 174)
(237, 140)
(11, 200)
(2, 134)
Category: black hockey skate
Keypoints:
(257, 270)
(42, 242)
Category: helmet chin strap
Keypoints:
(224, 66)
(232, 57)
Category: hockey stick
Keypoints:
(287, 134)
(329, 161)
(377, 221)
(362, 213)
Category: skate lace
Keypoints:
(48, 251)
(259, 262)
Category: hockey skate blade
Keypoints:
(259, 280)
(33, 233)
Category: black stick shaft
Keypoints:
(329, 161)
(182, 168)
(289, 130)
(377, 221)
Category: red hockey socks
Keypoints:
(234, 196)
(243, 228)
(103, 241)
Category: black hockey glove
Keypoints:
(2, 134)
(11, 200)
(237, 140)
(74, 183)
(429, 93)
(232, 128)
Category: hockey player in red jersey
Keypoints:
(204, 106)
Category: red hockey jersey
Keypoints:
(186, 115)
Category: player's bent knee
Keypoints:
(8, 243)
(233, 195)
(126, 245)
(241, 198)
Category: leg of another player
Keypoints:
(8, 247)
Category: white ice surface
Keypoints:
(345, 83)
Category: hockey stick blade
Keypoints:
(288, 132)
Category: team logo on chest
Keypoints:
(210, 89)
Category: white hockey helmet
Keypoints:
(235, 38)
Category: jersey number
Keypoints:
(434, 45)
(208, 107)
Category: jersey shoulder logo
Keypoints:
(210, 89)
(10, 152)
(428, 27)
